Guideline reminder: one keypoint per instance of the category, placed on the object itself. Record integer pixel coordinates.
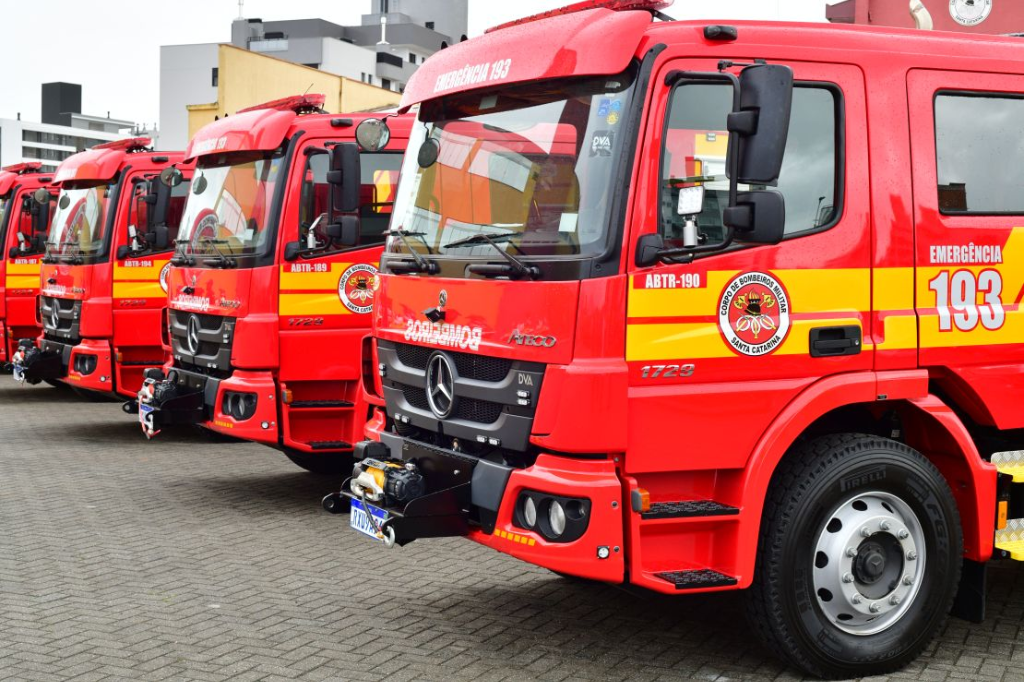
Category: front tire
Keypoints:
(325, 464)
(859, 557)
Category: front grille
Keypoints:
(215, 337)
(467, 409)
(62, 319)
(469, 366)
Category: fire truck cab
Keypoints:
(104, 273)
(272, 286)
(24, 222)
(712, 307)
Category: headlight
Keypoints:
(530, 512)
(556, 517)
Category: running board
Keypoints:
(1011, 539)
(697, 579)
(688, 509)
(1010, 463)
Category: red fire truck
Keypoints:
(24, 222)
(103, 275)
(680, 305)
(272, 285)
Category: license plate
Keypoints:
(359, 518)
(145, 411)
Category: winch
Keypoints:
(387, 483)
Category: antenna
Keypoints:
(241, 9)
(308, 89)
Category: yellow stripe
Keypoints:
(312, 305)
(15, 269)
(893, 288)
(23, 282)
(900, 332)
(122, 273)
(313, 281)
(702, 340)
(138, 290)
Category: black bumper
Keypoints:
(182, 397)
(461, 489)
(47, 362)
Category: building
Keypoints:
(246, 78)
(964, 16)
(64, 131)
(382, 51)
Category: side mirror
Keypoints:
(292, 250)
(123, 252)
(13, 253)
(160, 238)
(762, 122)
(41, 215)
(171, 177)
(649, 249)
(42, 196)
(373, 134)
(345, 231)
(759, 217)
(344, 177)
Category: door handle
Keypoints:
(831, 342)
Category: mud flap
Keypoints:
(970, 598)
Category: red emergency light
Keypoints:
(22, 168)
(298, 104)
(614, 5)
(131, 144)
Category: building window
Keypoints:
(385, 83)
(412, 58)
(215, 80)
(976, 174)
(430, 25)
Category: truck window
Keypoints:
(175, 209)
(979, 139)
(379, 180)
(694, 153)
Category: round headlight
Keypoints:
(556, 518)
(530, 512)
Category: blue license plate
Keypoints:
(359, 518)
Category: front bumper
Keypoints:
(34, 363)
(183, 397)
(477, 498)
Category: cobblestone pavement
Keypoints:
(186, 559)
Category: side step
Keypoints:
(308, 404)
(1011, 464)
(330, 445)
(697, 579)
(1011, 539)
(687, 509)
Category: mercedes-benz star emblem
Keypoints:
(192, 335)
(442, 299)
(55, 315)
(440, 385)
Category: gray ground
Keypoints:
(186, 559)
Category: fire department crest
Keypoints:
(164, 274)
(754, 314)
(357, 287)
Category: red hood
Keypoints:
(72, 282)
(576, 44)
(534, 321)
(224, 293)
(261, 130)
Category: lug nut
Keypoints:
(865, 531)
(884, 525)
(847, 578)
(908, 581)
(857, 599)
(851, 552)
(874, 608)
(894, 600)
(912, 555)
(904, 534)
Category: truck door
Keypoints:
(967, 137)
(717, 347)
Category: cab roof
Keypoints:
(27, 174)
(104, 161)
(602, 41)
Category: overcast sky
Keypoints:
(112, 47)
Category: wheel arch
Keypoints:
(927, 424)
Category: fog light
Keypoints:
(556, 518)
(603, 553)
(265, 425)
(530, 512)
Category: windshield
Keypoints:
(228, 207)
(5, 203)
(79, 222)
(529, 167)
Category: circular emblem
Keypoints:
(442, 299)
(192, 335)
(164, 274)
(356, 288)
(440, 385)
(754, 314)
(970, 12)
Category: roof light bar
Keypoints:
(22, 168)
(298, 104)
(128, 145)
(614, 5)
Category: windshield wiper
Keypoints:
(421, 264)
(515, 268)
(181, 258)
(223, 260)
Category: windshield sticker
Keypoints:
(754, 314)
(356, 288)
(604, 107)
(473, 75)
(613, 118)
(444, 335)
(568, 222)
(602, 143)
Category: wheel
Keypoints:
(327, 463)
(859, 557)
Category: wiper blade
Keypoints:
(181, 258)
(515, 268)
(223, 260)
(422, 264)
